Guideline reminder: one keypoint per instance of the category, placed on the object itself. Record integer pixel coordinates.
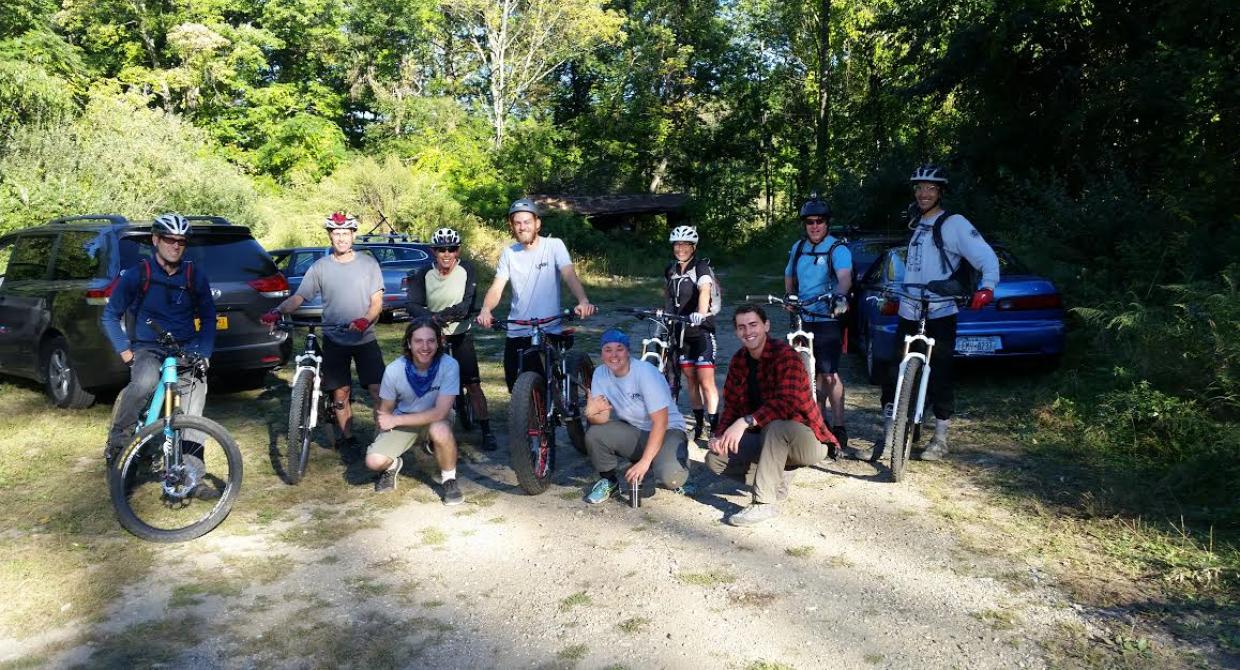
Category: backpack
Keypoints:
(701, 266)
(829, 253)
(190, 287)
(965, 276)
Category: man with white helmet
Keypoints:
(535, 266)
(445, 292)
(170, 292)
(351, 285)
(692, 290)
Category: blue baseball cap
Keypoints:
(615, 335)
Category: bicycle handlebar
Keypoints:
(656, 314)
(799, 304)
(290, 324)
(167, 341)
(888, 291)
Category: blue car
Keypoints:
(396, 259)
(1026, 320)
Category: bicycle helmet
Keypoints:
(524, 205)
(815, 206)
(684, 234)
(929, 172)
(340, 221)
(446, 237)
(170, 224)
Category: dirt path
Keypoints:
(857, 573)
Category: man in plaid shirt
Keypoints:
(770, 416)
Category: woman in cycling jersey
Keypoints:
(693, 291)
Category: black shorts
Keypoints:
(699, 351)
(462, 347)
(336, 360)
(828, 345)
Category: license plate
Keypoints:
(221, 323)
(978, 345)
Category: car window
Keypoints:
(77, 257)
(6, 253)
(409, 254)
(893, 267)
(30, 257)
(301, 262)
(222, 257)
(382, 254)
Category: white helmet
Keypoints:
(340, 221)
(446, 237)
(931, 173)
(170, 224)
(684, 234)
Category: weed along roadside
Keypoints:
(967, 561)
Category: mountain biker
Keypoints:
(634, 425)
(534, 265)
(445, 291)
(169, 291)
(924, 264)
(688, 293)
(769, 418)
(351, 285)
(819, 264)
(415, 405)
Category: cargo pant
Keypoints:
(615, 445)
(778, 446)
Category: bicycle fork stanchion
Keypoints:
(924, 381)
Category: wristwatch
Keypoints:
(749, 420)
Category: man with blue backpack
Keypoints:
(176, 297)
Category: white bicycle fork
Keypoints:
(311, 363)
(924, 382)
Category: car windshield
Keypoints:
(224, 257)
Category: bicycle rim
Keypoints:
(163, 503)
(299, 428)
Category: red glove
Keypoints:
(270, 318)
(359, 324)
(982, 298)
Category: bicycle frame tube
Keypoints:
(164, 398)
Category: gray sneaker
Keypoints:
(452, 493)
(935, 450)
(754, 514)
(387, 480)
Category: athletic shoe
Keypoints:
(601, 492)
(387, 480)
(935, 450)
(754, 514)
(487, 442)
(452, 493)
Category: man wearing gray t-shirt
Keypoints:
(634, 425)
(351, 285)
(534, 266)
(415, 406)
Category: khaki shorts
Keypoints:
(397, 441)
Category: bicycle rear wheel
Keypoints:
(174, 504)
(465, 408)
(900, 439)
(580, 376)
(530, 440)
(299, 428)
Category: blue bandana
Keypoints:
(615, 335)
(421, 385)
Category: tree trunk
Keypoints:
(822, 122)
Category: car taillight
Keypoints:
(275, 286)
(1048, 301)
(404, 283)
(99, 296)
(890, 307)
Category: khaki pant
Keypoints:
(393, 443)
(778, 446)
(615, 445)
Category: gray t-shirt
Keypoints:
(634, 396)
(346, 289)
(535, 278)
(395, 385)
(924, 265)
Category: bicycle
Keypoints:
(308, 403)
(160, 485)
(667, 340)
(464, 405)
(532, 420)
(913, 376)
(801, 340)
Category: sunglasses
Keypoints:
(446, 250)
(173, 241)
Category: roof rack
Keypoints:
(216, 220)
(115, 219)
(385, 237)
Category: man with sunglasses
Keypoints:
(172, 293)
(445, 291)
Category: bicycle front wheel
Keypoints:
(299, 428)
(900, 439)
(163, 503)
(530, 440)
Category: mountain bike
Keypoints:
(665, 344)
(912, 381)
(179, 477)
(308, 403)
(541, 403)
(466, 415)
(801, 340)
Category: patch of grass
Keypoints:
(263, 569)
(485, 499)
(999, 619)
(329, 559)
(632, 625)
(570, 495)
(837, 561)
(497, 520)
(708, 578)
(758, 599)
(364, 640)
(576, 600)
(149, 644)
(768, 665)
(365, 588)
(874, 659)
(573, 653)
(433, 537)
(802, 551)
(431, 604)
(326, 529)
(188, 595)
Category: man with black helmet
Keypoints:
(535, 266)
(934, 256)
(819, 264)
(170, 292)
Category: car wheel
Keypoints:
(62, 385)
(873, 369)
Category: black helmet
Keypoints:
(524, 205)
(815, 206)
(930, 172)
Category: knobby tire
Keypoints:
(530, 440)
(299, 428)
(580, 376)
(900, 440)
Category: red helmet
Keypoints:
(340, 221)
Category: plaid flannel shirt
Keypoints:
(784, 386)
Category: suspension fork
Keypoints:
(924, 382)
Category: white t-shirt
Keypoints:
(535, 278)
(636, 395)
(395, 385)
